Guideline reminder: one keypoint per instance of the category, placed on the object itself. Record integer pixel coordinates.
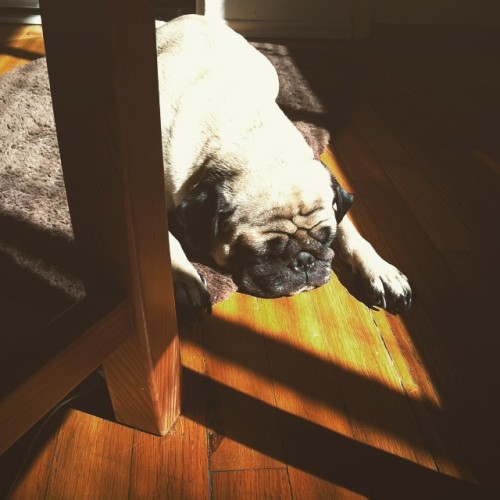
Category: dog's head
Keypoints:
(274, 237)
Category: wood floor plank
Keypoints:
(424, 398)
(404, 355)
(388, 223)
(431, 210)
(385, 220)
(235, 356)
(171, 466)
(455, 83)
(319, 365)
(32, 472)
(467, 176)
(403, 336)
(431, 323)
(461, 169)
(306, 486)
(176, 465)
(92, 457)
(476, 272)
(19, 45)
(306, 383)
(251, 484)
(344, 379)
(467, 184)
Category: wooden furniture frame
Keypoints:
(102, 69)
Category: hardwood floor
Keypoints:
(20, 44)
(318, 396)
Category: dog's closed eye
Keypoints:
(276, 245)
(324, 235)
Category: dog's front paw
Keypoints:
(191, 297)
(387, 287)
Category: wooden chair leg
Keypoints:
(102, 68)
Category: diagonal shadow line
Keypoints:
(51, 246)
(38, 264)
(230, 337)
(21, 284)
(20, 53)
(320, 451)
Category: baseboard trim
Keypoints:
(291, 29)
(10, 15)
(436, 29)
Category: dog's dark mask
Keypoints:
(278, 266)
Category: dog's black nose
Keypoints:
(304, 261)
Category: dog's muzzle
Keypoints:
(277, 278)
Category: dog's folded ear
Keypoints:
(342, 200)
(200, 215)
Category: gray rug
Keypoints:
(38, 259)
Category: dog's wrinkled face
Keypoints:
(279, 263)
(275, 245)
(283, 253)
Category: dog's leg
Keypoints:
(191, 294)
(386, 286)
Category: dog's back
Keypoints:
(211, 80)
(191, 45)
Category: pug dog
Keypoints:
(242, 181)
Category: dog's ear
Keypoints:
(200, 215)
(342, 200)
